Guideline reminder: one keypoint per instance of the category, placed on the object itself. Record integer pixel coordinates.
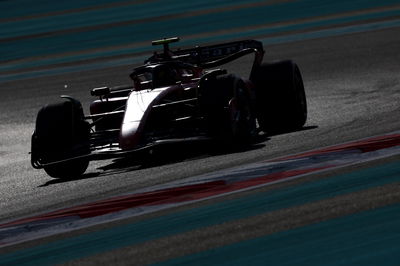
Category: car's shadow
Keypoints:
(291, 131)
(171, 154)
(59, 180)
(178, 153)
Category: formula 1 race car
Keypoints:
(176, 96)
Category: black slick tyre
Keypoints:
(68, 170)
(60, 134)
(280, 97)
(229, 114)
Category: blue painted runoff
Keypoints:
(366, 238)
(217, 213)
(138, 32)
(216, 38)
(21, 8)
(134, 60)
(108, 15)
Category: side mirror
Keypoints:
(187, 77)
(146, 85)
(102, 91)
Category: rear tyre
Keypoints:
(61, 133)
(280, 98)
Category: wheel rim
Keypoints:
(242, 122)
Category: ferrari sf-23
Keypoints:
(176, 96)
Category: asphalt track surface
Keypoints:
(353, 89)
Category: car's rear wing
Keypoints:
(210, 55)
(205, 54)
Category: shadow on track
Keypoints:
(162, 155)
(173, 154)
(170, 154)
(59, 180)
(292, 131)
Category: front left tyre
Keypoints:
(61, 133)
(226, 103)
